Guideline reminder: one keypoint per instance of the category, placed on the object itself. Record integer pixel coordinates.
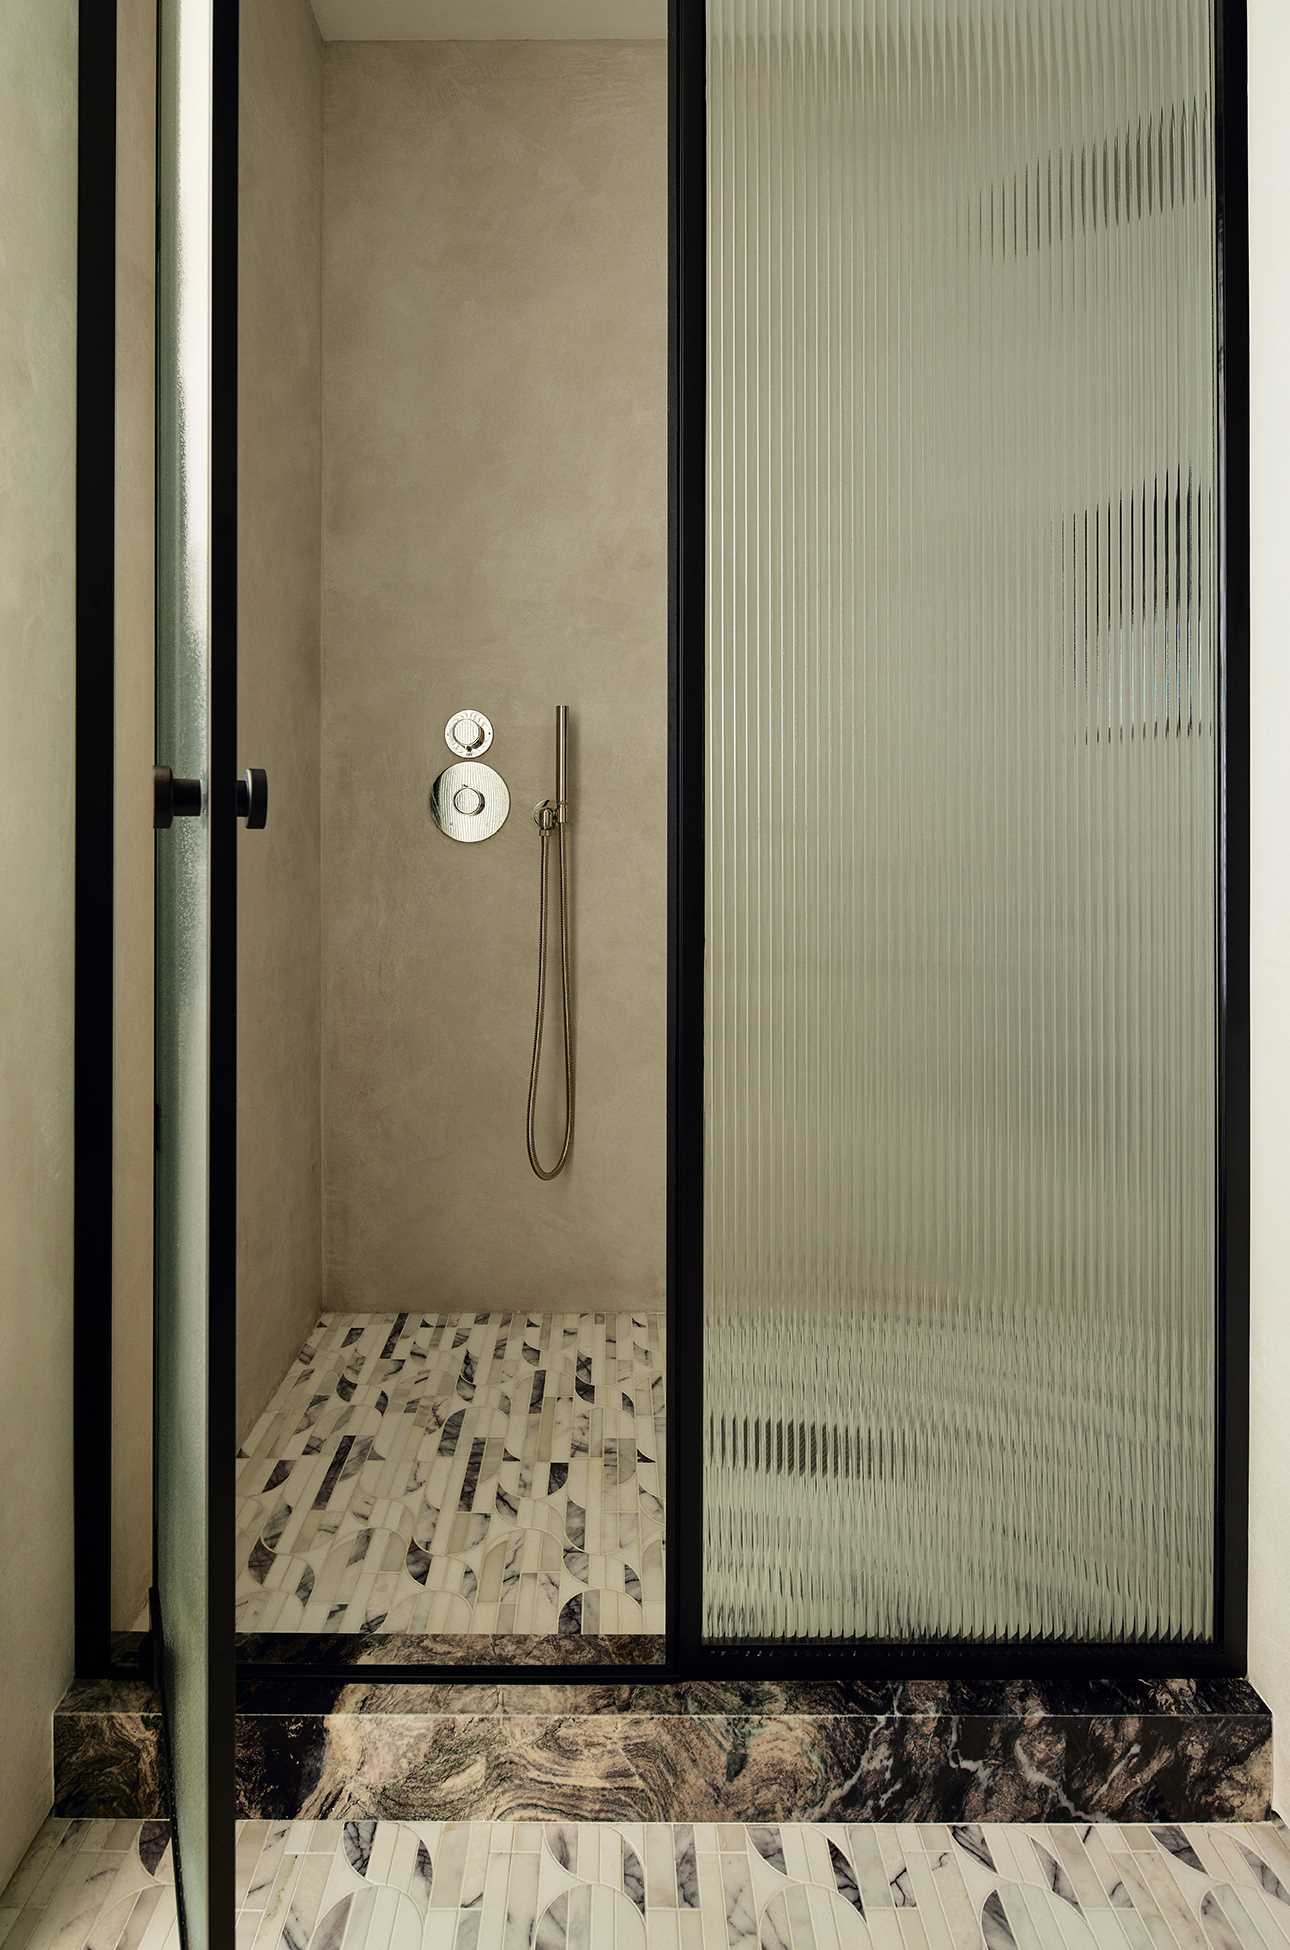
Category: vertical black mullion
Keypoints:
(95, 689)
(222, 1287)
(1233, 839)
(687, 384)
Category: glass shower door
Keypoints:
(195, 945)
(961, 773)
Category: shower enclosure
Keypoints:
(956, 990)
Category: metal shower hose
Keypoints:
(548, 821)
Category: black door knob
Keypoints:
(174, 798)
(253, 798)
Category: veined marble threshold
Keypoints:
(1132, 1750)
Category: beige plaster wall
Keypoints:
(1270, 877)
(494, 313)
(132, 1084)
(37, 649)
(279, 540)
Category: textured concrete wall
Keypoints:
(37, 686)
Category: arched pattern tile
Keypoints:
(471, 1473)
(413, 1885)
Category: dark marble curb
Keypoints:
(1175, 1750)
(107, 1751)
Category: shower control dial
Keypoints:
(468, 733)
(469, 801)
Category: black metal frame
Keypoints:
(224, 830)
(687, 493)
(689, 1655)
(95, 799)
(1232, 246)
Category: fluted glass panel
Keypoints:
(961, 787)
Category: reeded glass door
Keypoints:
(962, 715)
(195, 945)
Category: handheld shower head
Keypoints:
(561, 759)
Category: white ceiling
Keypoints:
(491, 20)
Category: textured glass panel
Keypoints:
(960, 1181)
(183, 927)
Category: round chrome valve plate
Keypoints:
(469, 801)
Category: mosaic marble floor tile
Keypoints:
(459, 1473)
(385, 1885)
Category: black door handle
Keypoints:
(174, 798)
(253, 798)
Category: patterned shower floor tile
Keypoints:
(382, 1885)
(459, 1473)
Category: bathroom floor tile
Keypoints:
(465, 1473)
(566, 1886)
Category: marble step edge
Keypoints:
(1156, 1751)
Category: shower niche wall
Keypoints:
(458, 1434)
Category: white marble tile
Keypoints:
(402, 1449)
(774, 1886)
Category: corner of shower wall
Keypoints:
(279, 693)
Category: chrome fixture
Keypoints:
(552, 816)
(468, 733)
(469, 801)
